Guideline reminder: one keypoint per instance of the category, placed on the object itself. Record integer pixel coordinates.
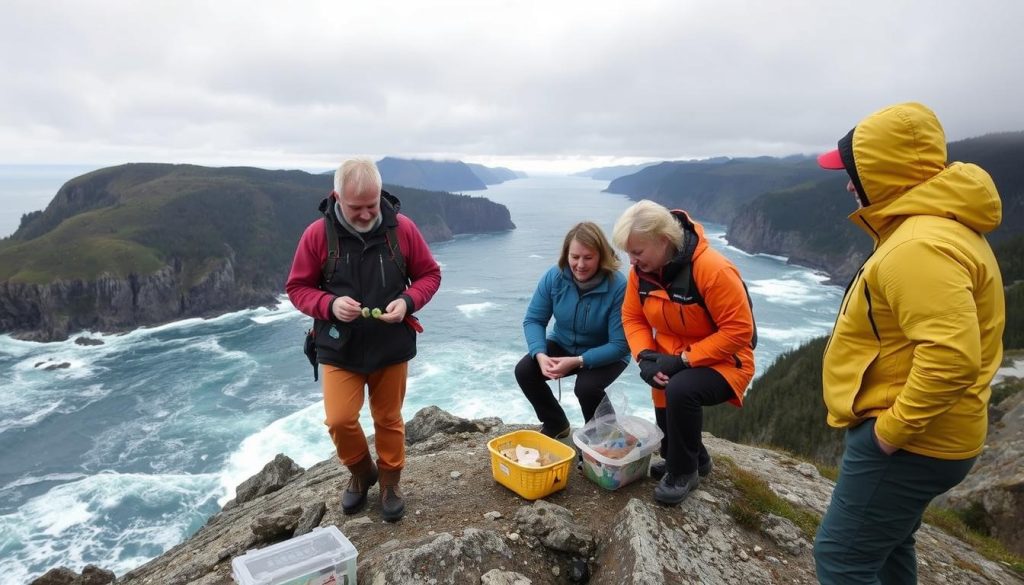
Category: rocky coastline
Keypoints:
(463, 527)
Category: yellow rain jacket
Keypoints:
(919, 334)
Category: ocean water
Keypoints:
(112, 454)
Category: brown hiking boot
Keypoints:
(392, 504)
(364, 475)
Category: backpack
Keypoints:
(328, 269)
(684, 290)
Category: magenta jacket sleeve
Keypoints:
(424, 272)
(303, 285)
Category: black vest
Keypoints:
(370, 270)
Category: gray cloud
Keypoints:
(575, 82)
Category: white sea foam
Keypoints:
(473, 291)
(786, 291)
(238, 385)
(31, 418)
(474, 310)
(420, 372)
(210, 347)
(300, 435)
(32, 480)
(63, 527)
(535, 256)
(791, 336)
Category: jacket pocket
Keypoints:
(331, 336)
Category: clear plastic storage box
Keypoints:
(321, 557)
(612, 473)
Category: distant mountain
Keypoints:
(807, 223)
(440, 175)
(715, 189)
(143, 244)
(494, 175)
(430, 174)
(614, 172)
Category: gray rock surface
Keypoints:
(445, 538)
(271, 478)
(994, 490)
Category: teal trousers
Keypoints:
(867, 534)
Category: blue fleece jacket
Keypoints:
(589, 324)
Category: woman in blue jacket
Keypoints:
(583, 292)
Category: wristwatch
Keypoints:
(581, 362)
(686, 362)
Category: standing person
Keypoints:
(364, 255)
(916, 343)
(583, 292)
(689, 323)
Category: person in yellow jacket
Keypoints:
(916, 343)
(688, 321)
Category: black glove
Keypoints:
(647, 354)
(648, 369)
(669, 364)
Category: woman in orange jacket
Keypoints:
(688, 322)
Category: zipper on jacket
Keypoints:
(575, 319)
(856, 277)
(871, 317)
(381, 258)
(878, 237)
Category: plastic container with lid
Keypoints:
(321, 557)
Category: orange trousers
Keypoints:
(343, 399)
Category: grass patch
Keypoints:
(757, 500)
(953, 523)
(829, 471)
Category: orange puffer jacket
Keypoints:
(665, 326)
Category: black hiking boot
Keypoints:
(364, 475)
(673, 489)
(658, 468)
(392, 504)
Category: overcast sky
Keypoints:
(540, 86)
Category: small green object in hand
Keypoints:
(366, 312)
(376, 313)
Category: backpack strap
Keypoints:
(391, 235)
(333, 251)
(684, 290)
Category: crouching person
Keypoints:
(360, 272)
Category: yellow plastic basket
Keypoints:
(531, 483)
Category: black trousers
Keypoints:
(682, 420)
(590, 385)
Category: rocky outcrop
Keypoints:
(754, 231)
(48, 312)
(197, 242)
(992, 496)
(463, 527)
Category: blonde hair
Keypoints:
(360, 171)
(648, 220)
(590, 235)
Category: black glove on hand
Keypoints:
(647, 354)
(648, 369)
(669, 364)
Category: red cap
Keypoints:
(831, 161)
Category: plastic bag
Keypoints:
(614, 435)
